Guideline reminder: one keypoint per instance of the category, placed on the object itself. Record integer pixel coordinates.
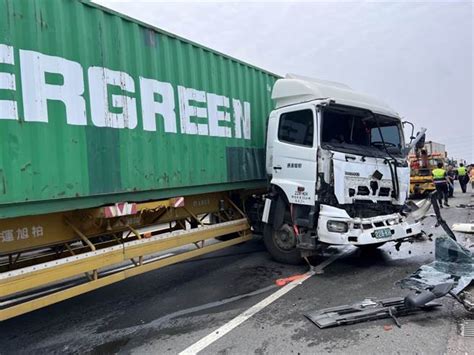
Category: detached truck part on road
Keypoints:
(121, 142)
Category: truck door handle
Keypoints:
(277, 168)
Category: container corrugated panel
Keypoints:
(97, 108)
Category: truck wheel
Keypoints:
(281, 244)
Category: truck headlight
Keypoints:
(337, 226)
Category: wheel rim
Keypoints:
(285, 238)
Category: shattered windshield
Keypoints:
(360, 131)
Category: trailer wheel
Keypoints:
(281, 244)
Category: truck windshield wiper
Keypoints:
(393, 149)
(365, 151)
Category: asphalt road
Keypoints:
(168, 310)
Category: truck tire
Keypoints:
(281, 244)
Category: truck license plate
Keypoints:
(383, 233)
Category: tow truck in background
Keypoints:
(423, 159)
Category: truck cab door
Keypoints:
(295, 153)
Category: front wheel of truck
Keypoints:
(281, 244)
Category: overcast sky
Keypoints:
(418, 57)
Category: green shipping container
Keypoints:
(97, 108)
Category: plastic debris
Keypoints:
(287, 280)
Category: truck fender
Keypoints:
(278, 212)
(275, 208)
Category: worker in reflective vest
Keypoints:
(441, 183)
(462, 177)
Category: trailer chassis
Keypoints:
(116, 243)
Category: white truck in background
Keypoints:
(337, 166)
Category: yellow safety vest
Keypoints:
(462, 171)
(439, 174)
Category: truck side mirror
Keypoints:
(404, 123)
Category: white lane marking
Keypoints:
(226, 328)
(158, 258)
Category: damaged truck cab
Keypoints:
(337, 170)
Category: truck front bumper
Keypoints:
(363, 231)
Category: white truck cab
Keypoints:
(337, 170)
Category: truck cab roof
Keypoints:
(295, 89)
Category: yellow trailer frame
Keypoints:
(76, 258)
